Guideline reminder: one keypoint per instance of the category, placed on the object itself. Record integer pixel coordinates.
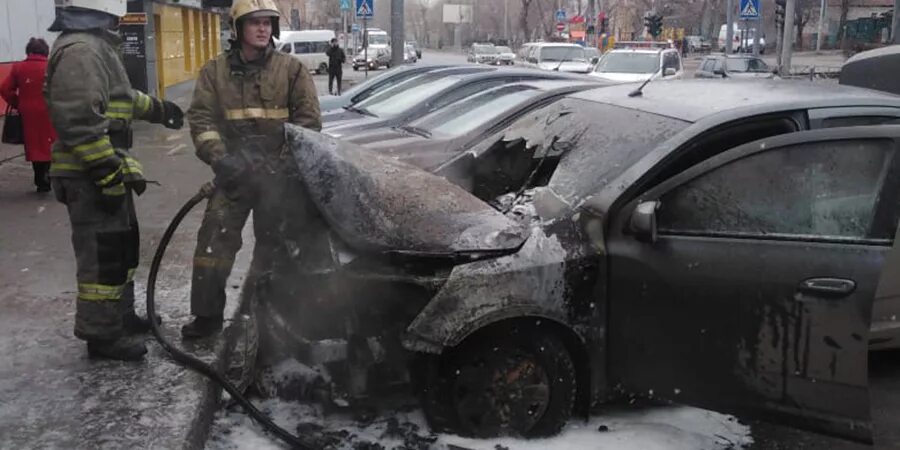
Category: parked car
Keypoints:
(736, 240)
(733, 66)
(505, 56)
(873, 69)
(561, 57)
(308, 46)
(638, 64)
(415, 45)
(698, 44)
(375, 84)
(435, 138)
(482, 54)
(592, 54)
(376, 56)
(409, 55)
(422, 95)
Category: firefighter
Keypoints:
(92, 105)
(241, 101)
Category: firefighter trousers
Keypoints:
(107, 247)
(219, 238)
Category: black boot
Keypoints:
(202, 327)
(135, 324)
(121, 349)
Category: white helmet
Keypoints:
(117, 8)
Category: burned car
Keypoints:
(717, 252)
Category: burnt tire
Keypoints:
(518, 382)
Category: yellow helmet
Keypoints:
(243, 9)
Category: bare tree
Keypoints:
(804, 12)
(845, 10)
(523, 17)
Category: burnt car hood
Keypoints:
(375, 203)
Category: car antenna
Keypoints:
(640, 90)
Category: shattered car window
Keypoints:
(822, 190)
(403, 96)
(602, 141)
(468, 114)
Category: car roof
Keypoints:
(556, 44)
(551, 85)
(651, 51)
(690, 100)
(876, 53)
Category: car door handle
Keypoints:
(828, 287)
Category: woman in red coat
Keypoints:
(23, 91)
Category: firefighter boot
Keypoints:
(202, 327)
(135, 324)
(122, 349)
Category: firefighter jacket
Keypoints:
(235, 99)
(91, 105)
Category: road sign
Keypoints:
(750, 9)
(345, 5)
(354, 28)
(365, 9)
(560, 27)
(560, 16)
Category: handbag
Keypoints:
(12, 127)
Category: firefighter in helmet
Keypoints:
(92, 105)
(241, 101)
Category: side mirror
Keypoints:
(595, 60)
(643, 222)
(669, 72)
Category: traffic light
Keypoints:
(779, 12)
(653, 22)
(604, 25)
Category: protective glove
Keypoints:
(173, 116)
(112, 197)
(229, 171)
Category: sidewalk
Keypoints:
(51, 395)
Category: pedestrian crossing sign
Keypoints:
(750, 9)
(365, 9)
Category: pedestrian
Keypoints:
(23, 90)
(241, 102)
(336, 60)
(92, 105)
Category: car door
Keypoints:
(745, 284)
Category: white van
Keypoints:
(308, 46)
(737, 46)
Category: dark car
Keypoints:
(424, 94)
(716, 251)
(375, 84)
(873, 69)
(733, 66)
(431, 140)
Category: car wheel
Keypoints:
(518, 382)
(356, 68)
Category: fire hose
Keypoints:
(191, 362)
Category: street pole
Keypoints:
(506, 21)
(778, 46)
(788, 39)
(365, 42)
(758, 30)
(398, 36)
(895, 23)
(819, 36)
(729, 27)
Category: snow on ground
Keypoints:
(636, 428)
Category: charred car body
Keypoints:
(718, 252)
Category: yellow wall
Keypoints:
(183, 42)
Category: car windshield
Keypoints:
(484, 49)
(503, 50)
(628, 62)
(746, 65)
(470, 113)
(405, 95)
(378, 39)
(568, 53)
